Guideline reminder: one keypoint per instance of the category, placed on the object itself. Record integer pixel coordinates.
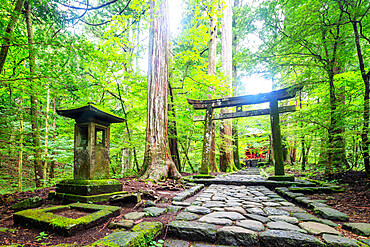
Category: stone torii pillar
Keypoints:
(272, 97)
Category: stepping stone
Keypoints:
(274, 211)
(315, 228)
(218, 209)
(239, 210)
(126, 224)
(278, 238)
(218, 198)
(154, 211)
(233, 204)
(227, 215)
(257, 217)
(187, 216)
(306, 217)
(287, 204)
(284, 218)
(251, 225)
(181, 204)
(328, 222)
(331, 214)
(293, 209)
(271, 204)
(169, 242)
(174, 209)
(149, 203)
(337, 241)
(281, 225)
(233, 235)
(196, 203)
(258, 211)
(192, 230)
(317, 204)
(134, 215)
(198, 210)
(358, 228)
(213, 204)
(122, 238)
(247, 204)
(216, 221)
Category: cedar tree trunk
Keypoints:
(158, 164)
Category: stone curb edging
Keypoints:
(317, 206)
(188, 193)
(140, 236)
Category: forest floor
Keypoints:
(354, 201)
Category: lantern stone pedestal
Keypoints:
(91, 157)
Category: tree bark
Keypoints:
(366, 79)
(158, 164)
(34, 102)
(235, 93)
(226, 152)
(212, 61)
(9, 31)
(173, 139)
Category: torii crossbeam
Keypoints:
(271, 97)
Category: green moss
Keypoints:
(96, 182)
(93, 198)
(148, 230)
(281, 178)
(203, 176)
(47, 216)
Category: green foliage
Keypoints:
(41, 236)
(158, 243)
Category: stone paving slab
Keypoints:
(242, 213)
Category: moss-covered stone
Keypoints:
(203, 176)
(46, 219)
(85, 199)
(121, 239)
(150, 230)
(281, 178)
(33, 202)
(88, 187)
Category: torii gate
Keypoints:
(272, 97)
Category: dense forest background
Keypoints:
(63, 54)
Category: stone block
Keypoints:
(279, 238)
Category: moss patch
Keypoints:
(149, 230)
(203, 176)
(46, 219)
(85, 199)
(281, 178)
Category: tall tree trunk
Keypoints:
(9, 31)
(226, 152)
(20, 155)
(235, 93)
(45, 167)
(302, 137)
(158, 164)
(174, 149)
(212, 61)
(366, 78)
(52, 163)
(34, 109)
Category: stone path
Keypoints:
(240, 215)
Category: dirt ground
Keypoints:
(163, 193)
(354, 201)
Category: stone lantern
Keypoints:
(91, 154)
